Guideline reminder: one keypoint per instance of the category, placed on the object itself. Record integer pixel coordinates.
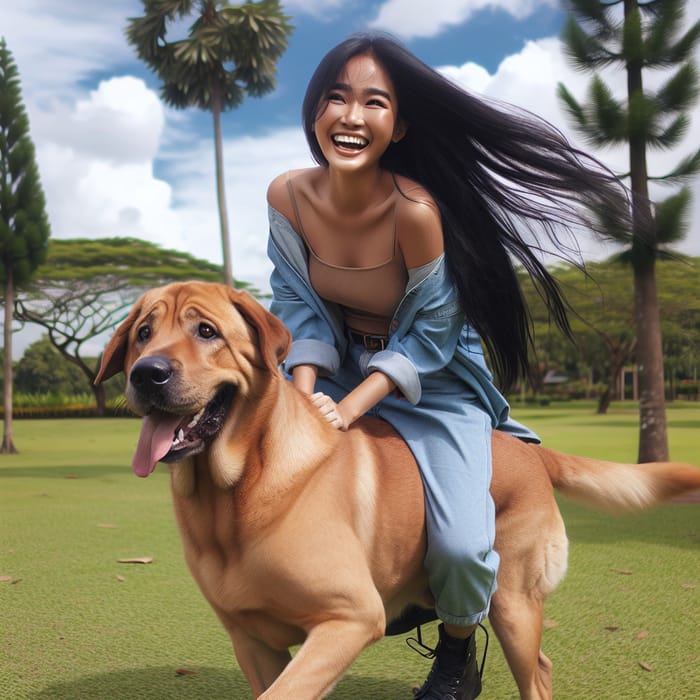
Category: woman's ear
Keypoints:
(399, 130)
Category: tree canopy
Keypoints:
(603, 323)
(24, 225)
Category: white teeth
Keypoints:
(195, 419)
(180, 437)
(346, 140)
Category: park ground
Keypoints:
(75, 622)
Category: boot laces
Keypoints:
(444, 680)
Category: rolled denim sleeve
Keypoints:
(400, 370)
(313, 342)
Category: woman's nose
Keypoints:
(353, 115)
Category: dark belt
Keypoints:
(371, 342)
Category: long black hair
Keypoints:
(501, 177)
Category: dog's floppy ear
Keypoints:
(115, 353)
(273, 335)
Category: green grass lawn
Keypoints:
(75, 623)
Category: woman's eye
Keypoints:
(207, 331)
(143, 334)
(335, 97)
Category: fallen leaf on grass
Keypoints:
(641, 635)
(5, 579)
(612, 628)
(645, 666)
(184, 672)
(71, 476)
(136, 560)
(550, 624)
(624, 572)
(120, 578)
(107, 526)
(689, 586)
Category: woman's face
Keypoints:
(358, 117)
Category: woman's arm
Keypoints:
(367, 394)
(304, 378)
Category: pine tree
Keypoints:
(230, 52)
(24, 226)
(639, 37)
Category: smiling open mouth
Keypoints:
(167, 437)
(354, 142)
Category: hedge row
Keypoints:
(75, 410)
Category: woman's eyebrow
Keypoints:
(344, 87)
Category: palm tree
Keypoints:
(643, 37)
(229, 52)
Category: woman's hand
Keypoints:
(369, 393)
(329, 410)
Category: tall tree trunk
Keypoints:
(8, 445)
(653, 444)
(100, 398)
(220, 189)
(619, 356)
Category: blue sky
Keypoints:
(115, 161)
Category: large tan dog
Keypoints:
(300, 534)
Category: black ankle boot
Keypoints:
(454, 675)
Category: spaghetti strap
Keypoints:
(295, 207)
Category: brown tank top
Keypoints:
(368, 296)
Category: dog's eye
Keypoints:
(143, 334)
(207, 331)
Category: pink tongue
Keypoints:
(155, 441)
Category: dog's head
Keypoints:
(190, 352)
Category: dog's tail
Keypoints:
(615, 487)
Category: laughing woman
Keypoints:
(394, 259)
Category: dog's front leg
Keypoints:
(328, 652)
(260, 664)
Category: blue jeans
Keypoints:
(449, 434)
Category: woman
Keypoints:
(392, 261)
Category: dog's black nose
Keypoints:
(151, 370)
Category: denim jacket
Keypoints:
(427, 332)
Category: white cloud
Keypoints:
(417, 18)
(96, 163)
(121, 121)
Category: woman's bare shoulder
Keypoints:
(418, 224)
(278, 196)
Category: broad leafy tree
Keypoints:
(43, 370)
(24, 225)
(229, 52)
(87, 287)
(602, 321)
(604, 328)
(640, 37)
